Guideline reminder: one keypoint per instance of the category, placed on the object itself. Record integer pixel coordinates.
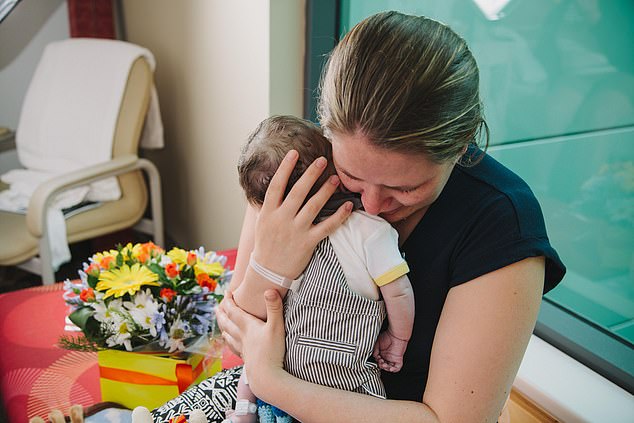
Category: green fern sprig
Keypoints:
(77, 343)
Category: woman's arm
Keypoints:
(245, 246)
(483, 332)
(248, 295)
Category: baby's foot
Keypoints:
(245, 412)
(232, 418)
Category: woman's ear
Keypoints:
(462, 152)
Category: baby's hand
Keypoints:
(389, 352)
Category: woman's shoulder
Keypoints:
(497, 220)
(489, 185)
(493, 175)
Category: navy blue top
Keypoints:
(485, 218)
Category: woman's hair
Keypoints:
(408, 83)
(266, 147)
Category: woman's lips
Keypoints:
(386, 215)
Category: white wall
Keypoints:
(23, 35)
(222, 67)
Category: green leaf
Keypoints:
(93, 330)
(80, 317)
(188, 273)
(92, 281)
(154, 267)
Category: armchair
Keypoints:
(46, 135)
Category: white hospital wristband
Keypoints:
(272, 276)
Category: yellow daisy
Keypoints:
(212, 269)
(97, 257)
(178, 256)
(132, 250)
(127, 279)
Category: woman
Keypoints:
(400, 104)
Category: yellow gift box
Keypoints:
(133, 379)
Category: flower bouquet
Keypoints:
(139, 303)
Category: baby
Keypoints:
(334, 313)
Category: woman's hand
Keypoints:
(260, 344)
(285, 236)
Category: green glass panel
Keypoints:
(547, 67)
(585, 184)
(627, 331)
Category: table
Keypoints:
(36, 375)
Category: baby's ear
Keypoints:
(197, 416)
(141, 415)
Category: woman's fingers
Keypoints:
(275, 192)
(329, 225)
(265, 346)
(274, 308)
(311, 209)
(284, 233)
(232, 344)
(305, 183)
(225, 316)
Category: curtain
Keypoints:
(91, 18)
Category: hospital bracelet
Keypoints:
(272, 276)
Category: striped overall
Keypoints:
(331, 330)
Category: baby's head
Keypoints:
(266, 147)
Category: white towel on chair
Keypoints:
(68, 120)
(56, 230)
(152, 135)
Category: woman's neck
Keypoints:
(406, 226)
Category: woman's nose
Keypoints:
(374, 202)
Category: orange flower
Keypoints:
(143, 257)
(93, 270)
(204, 280)
(151, 248)
(178, 419)
(87, 295)
(107, 262)
(171, 270)
(167, 294)
(191, 258)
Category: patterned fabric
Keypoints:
(268, 413)
(330, 330)
(214, 396)
(36, 375)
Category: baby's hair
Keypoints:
(266, 147)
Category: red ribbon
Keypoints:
(185, 375)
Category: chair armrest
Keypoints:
(44, 194)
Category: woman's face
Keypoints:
(392, 185)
